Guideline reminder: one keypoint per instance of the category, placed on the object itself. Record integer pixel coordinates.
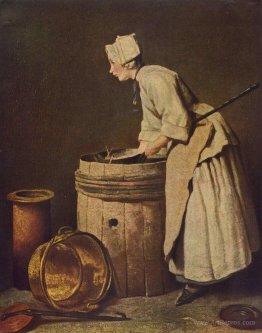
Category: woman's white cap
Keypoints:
(124, 50)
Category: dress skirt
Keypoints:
(219, 230)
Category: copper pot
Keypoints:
(71, 272)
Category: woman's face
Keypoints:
(119, 71)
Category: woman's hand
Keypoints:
(142, 147)
(153, 148)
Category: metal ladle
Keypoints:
(16, 317)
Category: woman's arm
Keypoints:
(164, 111)
(154, 147)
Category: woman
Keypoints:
(211, 229)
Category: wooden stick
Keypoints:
(231, 100)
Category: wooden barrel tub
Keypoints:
(123, 205)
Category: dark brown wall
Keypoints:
(60, 102)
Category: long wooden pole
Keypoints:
(231, 100)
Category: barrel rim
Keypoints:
(156, 158)
(163, 161)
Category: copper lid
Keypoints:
(241, 316)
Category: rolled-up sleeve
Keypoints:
(150, 125)
(163, 109)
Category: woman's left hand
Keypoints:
(151, 149)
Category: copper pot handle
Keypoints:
(64, 230)
(42, 274)
(63, 233)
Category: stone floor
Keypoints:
(154, 314)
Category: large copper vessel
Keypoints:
(71, 272)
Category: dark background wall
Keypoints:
(59, 101)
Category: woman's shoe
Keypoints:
(189, 296)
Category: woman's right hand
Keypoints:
(142, 147)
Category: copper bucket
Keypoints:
(71, 272)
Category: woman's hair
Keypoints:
(137, 62)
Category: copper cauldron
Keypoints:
(71, 272)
